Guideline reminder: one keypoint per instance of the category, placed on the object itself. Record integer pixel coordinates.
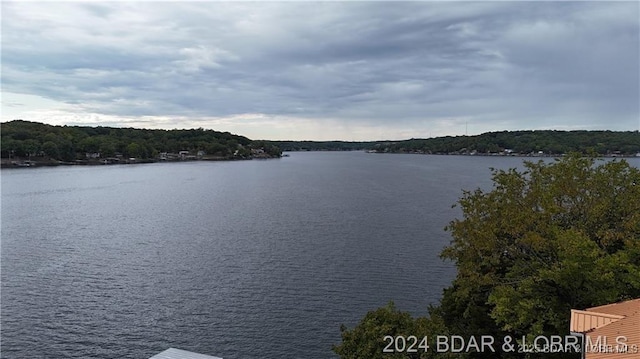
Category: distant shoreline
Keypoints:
(535, 155)
(525, 143)
(39, 162)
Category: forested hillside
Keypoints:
(524, 142)
(22, 139)
(546, 142)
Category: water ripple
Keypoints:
(255, 259)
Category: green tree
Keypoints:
(50, 149)
(31, 147)
(11, 148)
(371, 336)
(216, 148)
(134, 150)
(553, 237)
(544, 240)
(108, 148)
(89, 144)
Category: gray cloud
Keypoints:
(412, 66)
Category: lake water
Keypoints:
(249, 259)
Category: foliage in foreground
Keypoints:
(367, 340)
(553, 237)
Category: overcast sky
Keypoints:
(324, 70)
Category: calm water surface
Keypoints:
(251, 259)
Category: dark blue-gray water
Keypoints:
(251, 259)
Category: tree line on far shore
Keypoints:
(549, 142)
(21, 139)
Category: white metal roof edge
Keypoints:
(173, 353)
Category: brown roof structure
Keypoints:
(611, 331)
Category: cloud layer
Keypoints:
(330, 70)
